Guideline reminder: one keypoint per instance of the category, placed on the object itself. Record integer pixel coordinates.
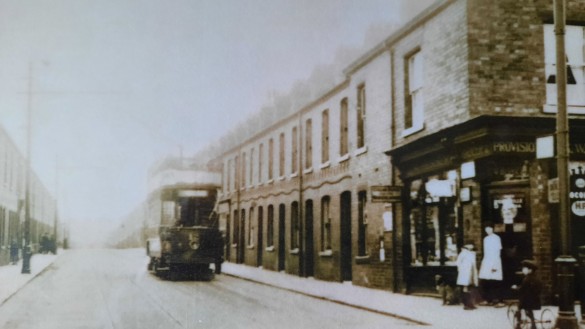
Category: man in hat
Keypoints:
(467, 274)
(528, 293)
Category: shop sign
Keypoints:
(577, 192)
(386, 193)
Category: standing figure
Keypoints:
(490, 271)
(13, 252)
(528, 293)
(467, 274)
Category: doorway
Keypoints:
(309, 244)
(281, 238)
(345, 238)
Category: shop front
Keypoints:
(459, 180)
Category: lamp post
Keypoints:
(566, 318)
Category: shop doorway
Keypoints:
(508, 209)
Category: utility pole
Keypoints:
(26, 250)
(566, 318)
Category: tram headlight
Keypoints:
(194, 245)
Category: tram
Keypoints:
(183, 237)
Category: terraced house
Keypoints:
(431, 134)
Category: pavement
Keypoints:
(423, 311)
(427, 311)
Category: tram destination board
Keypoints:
(386, 193)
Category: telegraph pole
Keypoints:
(566, 318)
(26, 250)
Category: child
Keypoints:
(467, 274)
(528, 293)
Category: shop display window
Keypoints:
(433, 229)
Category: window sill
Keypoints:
(361, 150)
(344, 157)
(571, 109)
(294, 251)
(293, 175)
(250, 246)
(365, 259)
(308, 171)
(270, 249)
(325, 165)
(270, 181)
(281, 178)
(326, 253)
(412, 130)
(234, 245)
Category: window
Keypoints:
(251, 228)
(228, 175)
(294, 151)
(325, 224)
(271, 159)
(243, 180)
(325, 136)
(575, 48)
(433, 228)
(308, 144)
(251, 167)
(270, 227)
(343, 128)
(281, 157)
(236, 172)
(361, 115)
(260, 160)
(414, 107)
(295, 233)
(362, 223)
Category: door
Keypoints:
(309, 245)
(345, 239)
(260, 240)
(242, 239)
(281, 239)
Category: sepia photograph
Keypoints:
(292, 164)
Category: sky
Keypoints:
(114, 85)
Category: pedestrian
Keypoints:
(528, 293)
(13, 252)
(467, 275)
(490, 270)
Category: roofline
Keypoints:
(325, 96)
(419, 20)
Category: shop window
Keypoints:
(295, 232)
(362, 224)
(414, 107)
(574, 47)
(434, 228)
(325, 223)
(294, 151)
(270, 227)
(343, 128)
(308, 144)
(361, 115)
(325, 136)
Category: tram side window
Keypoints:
(168, 213)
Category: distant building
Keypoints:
(13, 166)
(431, 135)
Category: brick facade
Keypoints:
(483, 98)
